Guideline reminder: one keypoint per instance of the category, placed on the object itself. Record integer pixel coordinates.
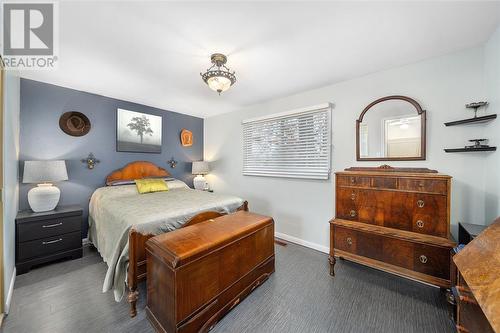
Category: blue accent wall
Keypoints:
(41, 139)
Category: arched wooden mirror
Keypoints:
(391, 128)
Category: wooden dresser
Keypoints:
(396, 220)
(477, 293)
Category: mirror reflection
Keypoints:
(391, 129)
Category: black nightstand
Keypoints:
(467, 232)
(48, 236)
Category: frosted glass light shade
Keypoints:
(37, 172)
(219, 83)
(200, 168)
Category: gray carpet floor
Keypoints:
(299, 297)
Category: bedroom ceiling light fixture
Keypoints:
(218, 77)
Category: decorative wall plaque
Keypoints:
(186, 138)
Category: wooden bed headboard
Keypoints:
(137, 170)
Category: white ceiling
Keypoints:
(152, 52)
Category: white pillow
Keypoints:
(176, 183)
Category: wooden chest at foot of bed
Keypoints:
(197, 274)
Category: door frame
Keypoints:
(2, 294)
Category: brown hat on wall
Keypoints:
(74, 123)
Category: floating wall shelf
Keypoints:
(469, 150)
(482, 119)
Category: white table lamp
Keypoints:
(45, 196)
(200, 168)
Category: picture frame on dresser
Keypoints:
(396, 220)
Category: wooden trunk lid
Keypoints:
(188, 244)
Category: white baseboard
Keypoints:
(10, 292)
(302, 242)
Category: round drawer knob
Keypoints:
(421, 184)
(352, 213)
(423, 259)
(420, 224)
(420, 203)
(349, 240)
(353, 180)
(353, 196)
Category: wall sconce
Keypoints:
(91, 161)
(172, 162)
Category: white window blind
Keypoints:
(292, 144)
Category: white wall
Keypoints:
(10, 176)
(492, 168)
(302, 208)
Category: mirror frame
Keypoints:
(420, 112)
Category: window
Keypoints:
(292, 144)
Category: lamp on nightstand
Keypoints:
(200, 168)
(45, 196)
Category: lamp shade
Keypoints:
(44, 171)
(200, 168)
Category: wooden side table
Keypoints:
(47, 236)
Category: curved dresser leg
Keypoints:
(133, 296)
(332, 262)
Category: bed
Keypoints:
(121, 221)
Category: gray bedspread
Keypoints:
(114, 210)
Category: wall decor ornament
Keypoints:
(91, 161)
(138, 132)
(479, 120)
(475, 105)
(186, 138)
(172, 163)
(479, 145)
(74, 123)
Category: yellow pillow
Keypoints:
(151, 185)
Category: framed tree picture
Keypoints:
(138, 132)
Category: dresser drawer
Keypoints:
(438, 186)
(50, 245)
(432, 260)
(360, 181)
(398, 252)
(417, 212)
(345, 239)
(28, 231)
(360, 243)
(362, 205)
(435, 225)
(390, 183)
(422, 258)
(347, 201)
(429, 214)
